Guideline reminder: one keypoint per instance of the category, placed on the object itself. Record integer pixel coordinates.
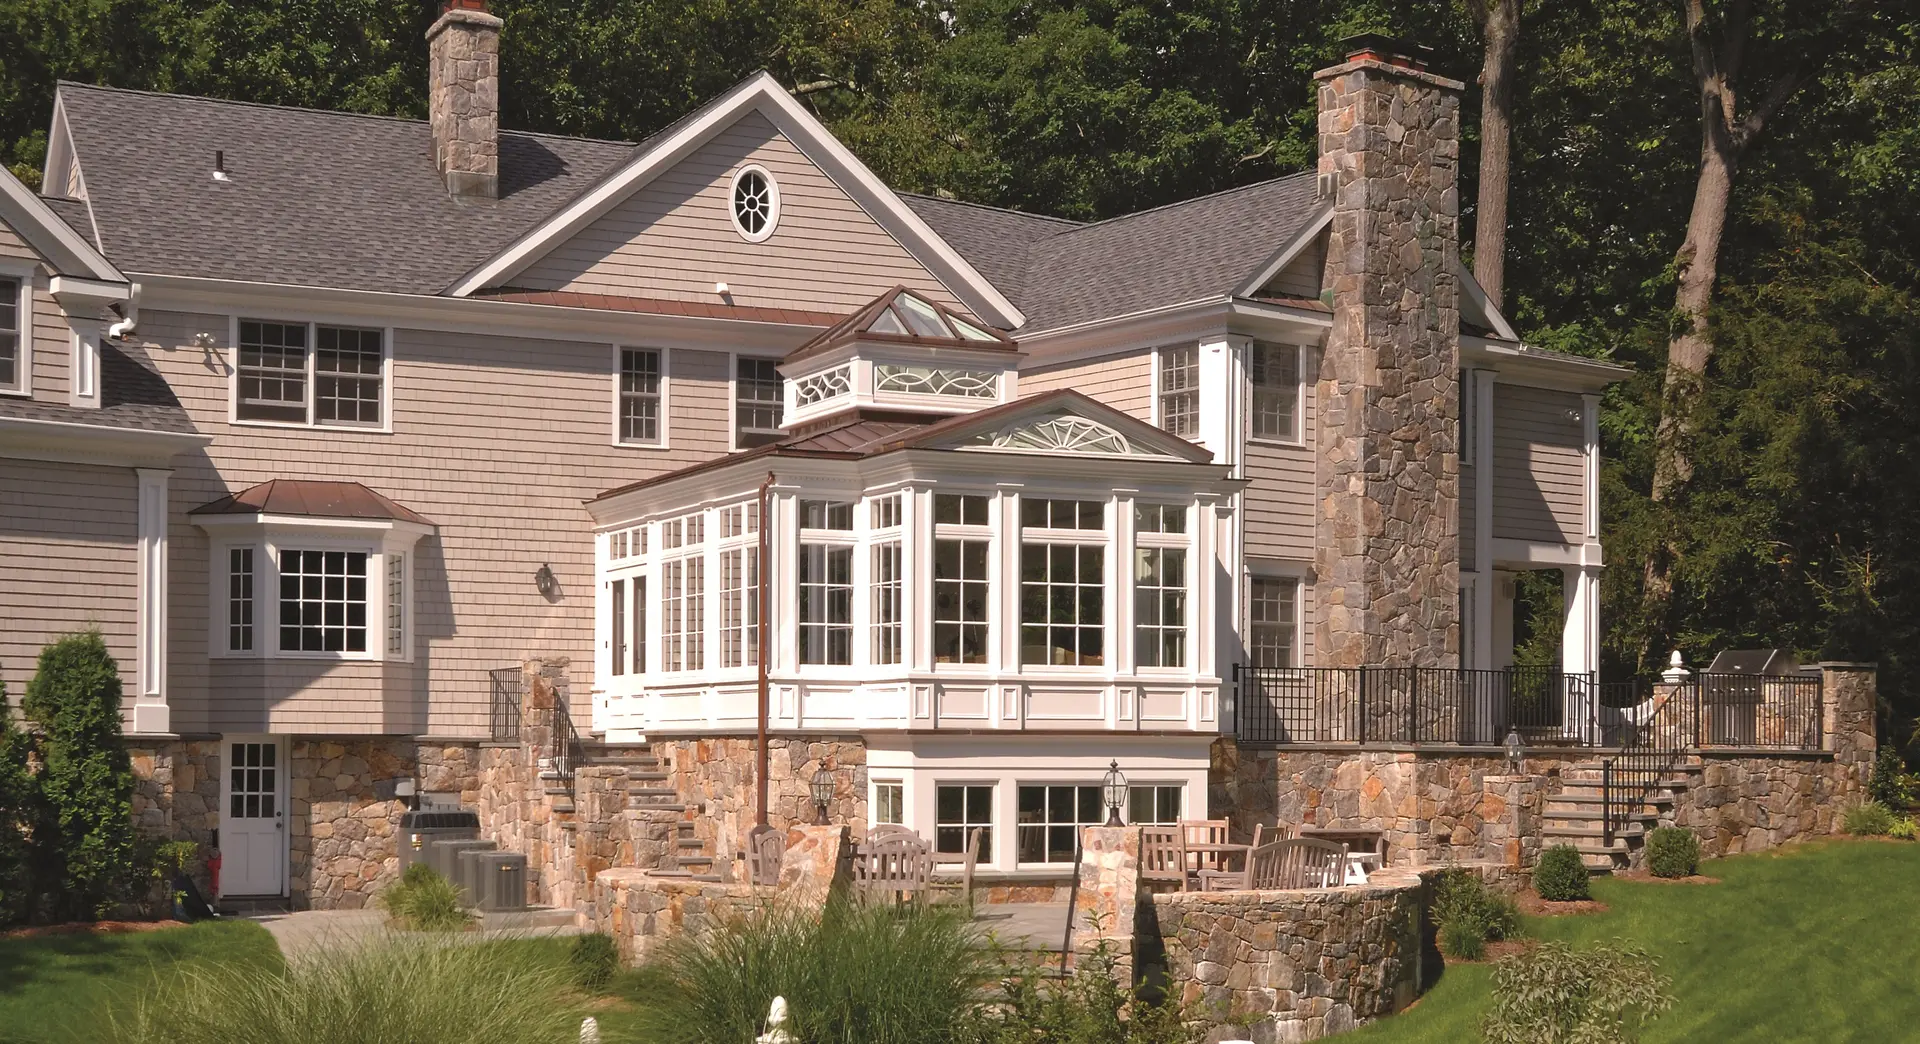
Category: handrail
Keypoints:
(503, 715)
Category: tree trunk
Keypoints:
(1500, 25)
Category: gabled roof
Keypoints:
(313, 499)
(763, 94)
(904, 316)
(314, 198)
(64, 244)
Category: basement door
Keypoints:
(253, 832)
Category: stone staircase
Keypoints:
(1575, 816)
(635, 783)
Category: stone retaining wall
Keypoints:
(716, 777)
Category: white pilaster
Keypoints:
(150, 711)
(1580, 639)
(1483, 610)
(83, 385)
(1221, 393)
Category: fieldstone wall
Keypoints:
(1747, 803)
(1106, 908)
(342, 813)
(463, 97)
(1275, 966)
(715, 778)
(1387, 548)
(176, 796)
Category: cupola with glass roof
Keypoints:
(900, 353)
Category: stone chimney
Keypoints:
(463, 98)
(1387, 559)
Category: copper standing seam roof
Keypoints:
(904, 316)
(311, 498)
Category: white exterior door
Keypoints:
(253, 832)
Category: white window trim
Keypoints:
(1158, 353)
(858, 619)
(267, 535)
(996, 584)
(312, 323)
(1179, 541)
(24, 271)
(773, 200)
(1299, 437)
(666, 394)
(1111, 590)
(1287, 573)
(1055, 781)
(733, 395)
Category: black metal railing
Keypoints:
(564, 750)
(503, 716)
(1780, 712)
(1372, 705)
(1654, 726)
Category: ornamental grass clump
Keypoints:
(1673, 852)
(424, 901)
(404, 990)
(1560, 876)
(1467, 914)
(1555, 994)
(593, 959)
(1869, 819)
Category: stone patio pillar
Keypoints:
(1109, 895)
(1387, 559)
(1849, 715)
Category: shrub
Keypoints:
(1560, 876)
(17, 800)
(83, 838)
(1466, 914)
(1904, 829)
(1555, 994)
(1090, 1007)
(1869, 818)
(1890, 783)
(424, 901)
(401, 990)
(1673, 852)
(159, 862)
(594, 958)
(852, 973)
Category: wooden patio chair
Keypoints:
(898, 864)
(766, 848)
(1297, 863)
(1234, 880)
(1163, 856)
(963, 883)
(1195, 833)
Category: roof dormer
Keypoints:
(901, 353)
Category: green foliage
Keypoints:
(594, 958)
(1467, 914)
(1673, 852)
(1869, 819)
(424, 901)
(402, 989)
(851, 973)
(1090, 1007)
(1906, 828)
(83, 838)
(18, 797)
(1555, 994)
(1560, 876)
(1890, 783)
(158, 861)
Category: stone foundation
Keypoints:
(176, 795)
(716, 780)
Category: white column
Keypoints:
(83, 384)
(1483, 610)
(150, 711)
(1220, 398)
(1580, 640)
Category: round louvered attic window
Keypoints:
(755, 203)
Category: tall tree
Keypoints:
(1500, 31)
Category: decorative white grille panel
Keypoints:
(926, 380)
(1061, 434)
(822, 386)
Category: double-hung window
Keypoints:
(1062, 582)
(886, 581)
(1051, 818)
(1179, 390)
(638, 414)
(1160, 585)
(959, 809)
(1273, 615)
(1274, 372)
(1154, 804)
(740, 585)
(683, 593)
(960, 584)
(757, 402)
(310, 373)
(13, 334)
(323, 601)
(826, 582)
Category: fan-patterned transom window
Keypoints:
(755, 203)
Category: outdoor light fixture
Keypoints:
(1115, 786)
(822, 787)
(1515, 750)
(545, 581)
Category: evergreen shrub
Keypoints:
(1560, 876)
(1673, 852)
(1868, 819)
(17, 800)
(83, 833)
(1890, 783)
(1467, 914)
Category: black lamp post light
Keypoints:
(1115, 786)
(822, 791)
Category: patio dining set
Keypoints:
(894, 862)
(1196, 855)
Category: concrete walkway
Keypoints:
(309, 931)
(1024, 926)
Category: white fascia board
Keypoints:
(66, 442)
(469, 315)
(763, 93)
(63, 247)
(1509, 553)
(1476, 296)
(79, 292)
(1189, 320)
(713, 488)
(1516, 363)
(256, 522)
(1281, 258)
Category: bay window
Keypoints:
(826, 603)
(1062, 583)
(287, 594)
(1160, 585)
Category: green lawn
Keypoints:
(53, 986)
(1817, 942)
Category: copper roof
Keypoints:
(311, 498)
(904, 316)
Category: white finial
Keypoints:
(1676, 671)
(776, 1024)
(589, 1030)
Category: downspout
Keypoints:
(766, 649)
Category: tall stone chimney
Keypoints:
(463, 98)
(1387, 559)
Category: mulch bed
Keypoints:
(1533, 906)
(1646, 877)
(90, 928)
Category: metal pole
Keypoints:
(1073, 900)
(1362, 672)
(766, 649)
(1606, 801)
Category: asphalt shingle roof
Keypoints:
(315, 198)
(132, 395)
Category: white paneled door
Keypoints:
(253, 831)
